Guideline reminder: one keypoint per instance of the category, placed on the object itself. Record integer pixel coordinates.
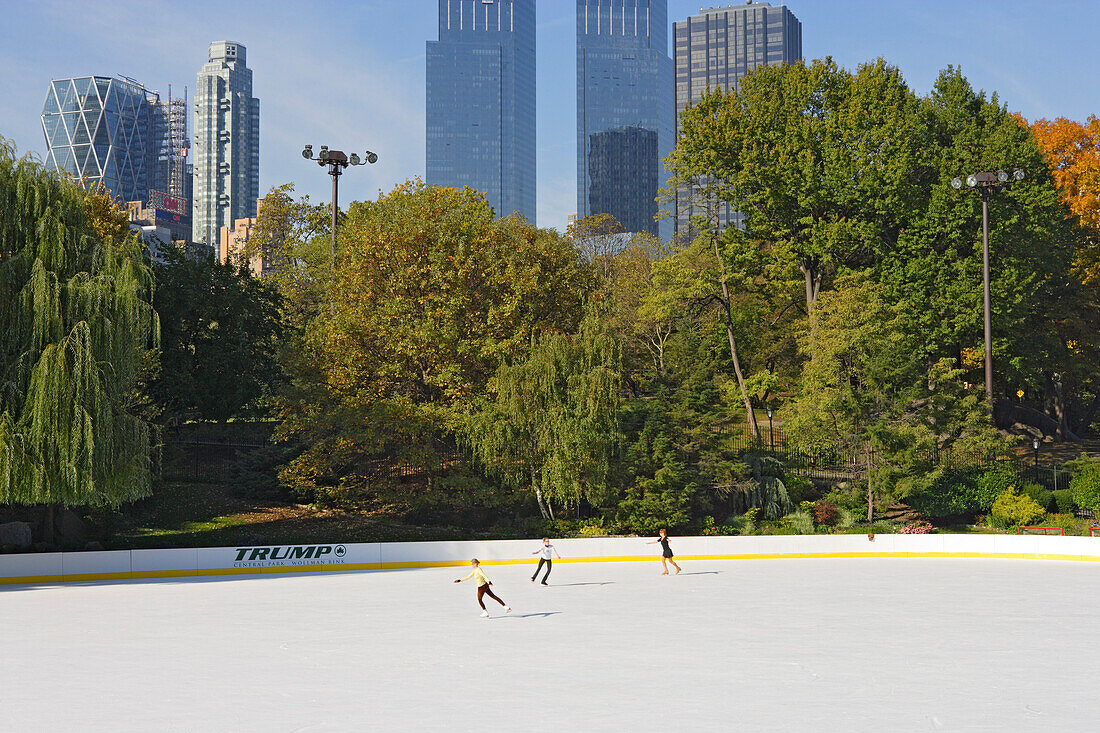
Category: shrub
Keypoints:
(990, 485)
(799, 488)
(1014, 508)
(918, 527)
(743, 524)
(845, 518)
(800, 522)
(883, 526)
(825, 513)
(1085, 484)
(948, 493)
(1070, 524)
(1063, 501)
(592, 529)
(1043, 497)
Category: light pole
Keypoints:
(771, 432)
(336, 161)
(1035, 445)
(987, 183)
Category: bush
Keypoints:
(918, 527)
(825, 513)
(592, 529)
(1063, 501)
(799, 488)
(800, 522)
(743, 524)
(1013, 508)
(1070, 524)
(949, 493)
(1085, 484)
(990, 485)
(883, 526)
(1043, 497)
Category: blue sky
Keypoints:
(365, 87)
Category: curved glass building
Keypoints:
(100, 130)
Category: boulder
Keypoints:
(93, 546)
(1021, 429)
(69, 528)
(17, 534)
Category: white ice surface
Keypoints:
(820, 645)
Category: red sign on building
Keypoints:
(172, 204)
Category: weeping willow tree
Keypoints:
(553, 421)
(75, 325)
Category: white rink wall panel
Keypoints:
(328, 557)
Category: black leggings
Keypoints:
(483, 590)
(549, 564)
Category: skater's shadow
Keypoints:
(702, 572)
(566, 585)
(530, 615)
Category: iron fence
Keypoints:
(202, 462)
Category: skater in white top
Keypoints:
(545, 551)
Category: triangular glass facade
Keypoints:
(98, 131)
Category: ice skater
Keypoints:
(483, 589)
(546, 549)
(666, 551)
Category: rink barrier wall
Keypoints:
(334, 557)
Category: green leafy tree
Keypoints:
(818, 160)
(220, 329)
(431, 294)
(553, 421)
(1085, 483)
(75, 325)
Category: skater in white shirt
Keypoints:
(545, 551)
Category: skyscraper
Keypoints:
(101, 131)
(714, 50)
(481, 101)
(227, 143)
(624, 110)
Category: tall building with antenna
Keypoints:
(227, 143)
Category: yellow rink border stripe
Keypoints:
(345, 567)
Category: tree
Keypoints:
(1072, 151)
(293, 236)
(75, 324)
(552, 422)
(934, 269)
(220, 329)
(431, 293)
(818, 160)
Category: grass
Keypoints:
(210, 515)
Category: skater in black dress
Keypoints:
(666, 551)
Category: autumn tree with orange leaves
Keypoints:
(1072, 150)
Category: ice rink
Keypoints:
(752, 645)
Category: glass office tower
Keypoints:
(101, 130)
(714, 50)
(624, 110)
(227, 143)
(481, 102)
